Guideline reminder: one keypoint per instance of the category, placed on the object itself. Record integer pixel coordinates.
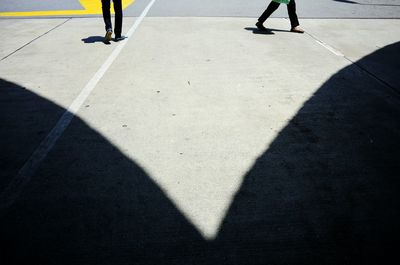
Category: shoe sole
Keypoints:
(119, 38)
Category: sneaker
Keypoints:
(108, 36)
(297, 30)
(119, 38)
(260, 26)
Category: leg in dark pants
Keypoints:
(294, 21)
(105, 5)
(268, 12)
(118, 17)
(291, 7)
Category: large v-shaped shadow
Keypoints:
(325, 192)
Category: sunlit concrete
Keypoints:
(23, 32)
(56, 65)
(357, 38)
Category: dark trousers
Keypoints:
(107, 15)
(291, 7)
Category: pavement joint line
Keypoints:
(23, 46)
(12, 192)
(325, 45)
(374, 76)
(338, 53)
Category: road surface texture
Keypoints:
(199, 139)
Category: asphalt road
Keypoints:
(27, 5)
(306, 8)
(232, 8)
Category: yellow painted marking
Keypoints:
(90, 7)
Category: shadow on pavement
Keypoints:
(25, 119)
(258, 31)
(269, 31)
(368, 4)
(89, 204)
(94, 39)
(325, 192)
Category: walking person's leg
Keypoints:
(272, 7)
(105, 6)
(294, 21)
(118, 19)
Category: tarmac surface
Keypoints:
(218, 8)
(199, 139)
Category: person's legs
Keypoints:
(272, 7)
(105, 5)
(118, 18)
(291, 7)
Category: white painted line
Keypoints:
(325, 45)
(329, 48)
(14, 189)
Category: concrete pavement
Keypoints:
(204, 142)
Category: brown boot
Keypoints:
(108, 36)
